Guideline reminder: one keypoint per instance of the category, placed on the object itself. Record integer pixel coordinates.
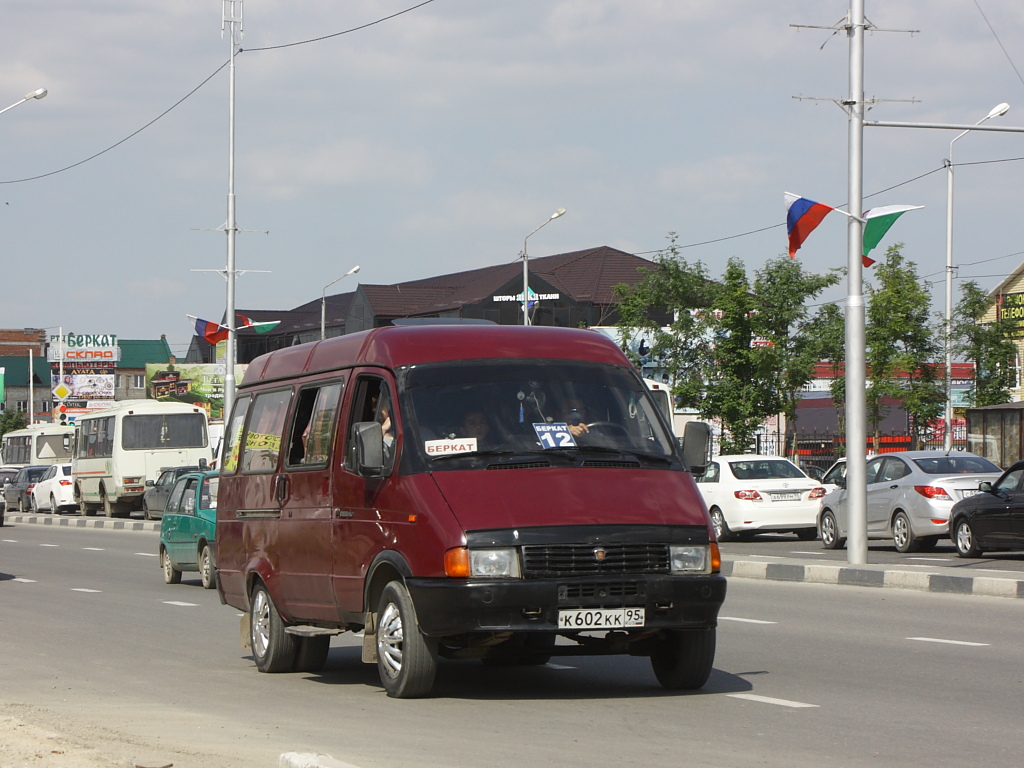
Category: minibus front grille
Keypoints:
(600, 591)
(611, 464)
(589, 559)
(521, 465)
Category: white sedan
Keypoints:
(749, 494)
(53, 491)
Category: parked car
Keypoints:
(54, 490)
(909, 497)
(155, 497)
(187, 528)
(834, 475)
(16, 492)
(993, 518)
(7, 474)
(748, 494)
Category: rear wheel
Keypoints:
(273, 649)
(682, 659)
(206, 572)
(54, 509)
(722, 532)
(902, 534)
(171, 574)
(830, 538)
(32, 505)
(966, 544)
(406, 659)
(311, 653)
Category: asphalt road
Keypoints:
(805, 675)
(786, 545)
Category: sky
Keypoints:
(435, 141)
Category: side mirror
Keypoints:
(841, 481)
(696, 443)
(369, 448)
(67, 442)
(204, 465)
(985, 486)
(150, 483)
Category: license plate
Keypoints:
(785, 497)
(600, 618)
(967, 494)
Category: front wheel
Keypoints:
(406, 659)
(273, 649)
(722, 532)
(830, 538)
(682, 659)
(966, 543)
(171, 574)
(902, 534)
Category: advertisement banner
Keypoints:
(97, 384)
(198, 384)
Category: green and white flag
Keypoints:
(258, 327)
(877, 222)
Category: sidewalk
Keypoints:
(991, 583)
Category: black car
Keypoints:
(16, 491)
(991, 519)
(155, 497)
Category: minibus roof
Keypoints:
(392, 347)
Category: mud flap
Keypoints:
(243, 629)
(370, 639)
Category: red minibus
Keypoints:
(491, 493)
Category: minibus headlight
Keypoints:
(690, 558)
(494, 563)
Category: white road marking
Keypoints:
(745, 621)
(10, 541)
(798, 552)
(179, 603)
(94, 549)
(24, 581)
(947, 642)
(933, 559)
(49, 545)
(147, 554)
(79, 589)
(769, 700)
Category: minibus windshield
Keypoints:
(515, 406)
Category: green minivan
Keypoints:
(187, 528)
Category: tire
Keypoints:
(145, 511)
(108, 507)
(406, 660)
(273, 649)
(32, 508)
(682, 659)
(722, 532)
(902, 534)
(966, 543)
(311, 653)
(21, 503)
(206, 571)
(830, 538)
(171, 574)
(54, 509)
(807, 534)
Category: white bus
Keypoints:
(38, 444)
(118, 449)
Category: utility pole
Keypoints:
(232, 24)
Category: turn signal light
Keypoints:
(456, 563)
(716, 559)
(932, 492)
(748, 495)
(817, 493)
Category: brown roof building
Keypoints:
(572, 290)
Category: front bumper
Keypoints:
(457, 606)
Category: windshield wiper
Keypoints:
(491, 452)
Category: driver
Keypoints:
(576, 417)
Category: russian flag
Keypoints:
(802, 216)
(212, 332)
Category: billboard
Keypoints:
(197, 384)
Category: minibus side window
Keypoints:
(372, 402)
(262, 448)
(313, 425)
(233, 436)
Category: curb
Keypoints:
(309, 760)
(85, 522)
(880, 576)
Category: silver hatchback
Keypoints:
(909, 497)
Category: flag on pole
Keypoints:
(212, 332)
(877, 222)
(258, 327)
(802, 216)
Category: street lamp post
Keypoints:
(36, 94)
(323, 301)
(526, 268)
(947, 441)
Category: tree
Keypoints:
(901, 346)
(781, 290)
(11, 420)
(986, 344)
(827, 334)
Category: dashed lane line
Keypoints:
(745, 621)
(23, 580)
(769, 700)
(82, 589)
(947, 642)
(181, 604)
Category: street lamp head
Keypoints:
(352, 271)
(998, 111)
(561, 211)
(36, 94)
